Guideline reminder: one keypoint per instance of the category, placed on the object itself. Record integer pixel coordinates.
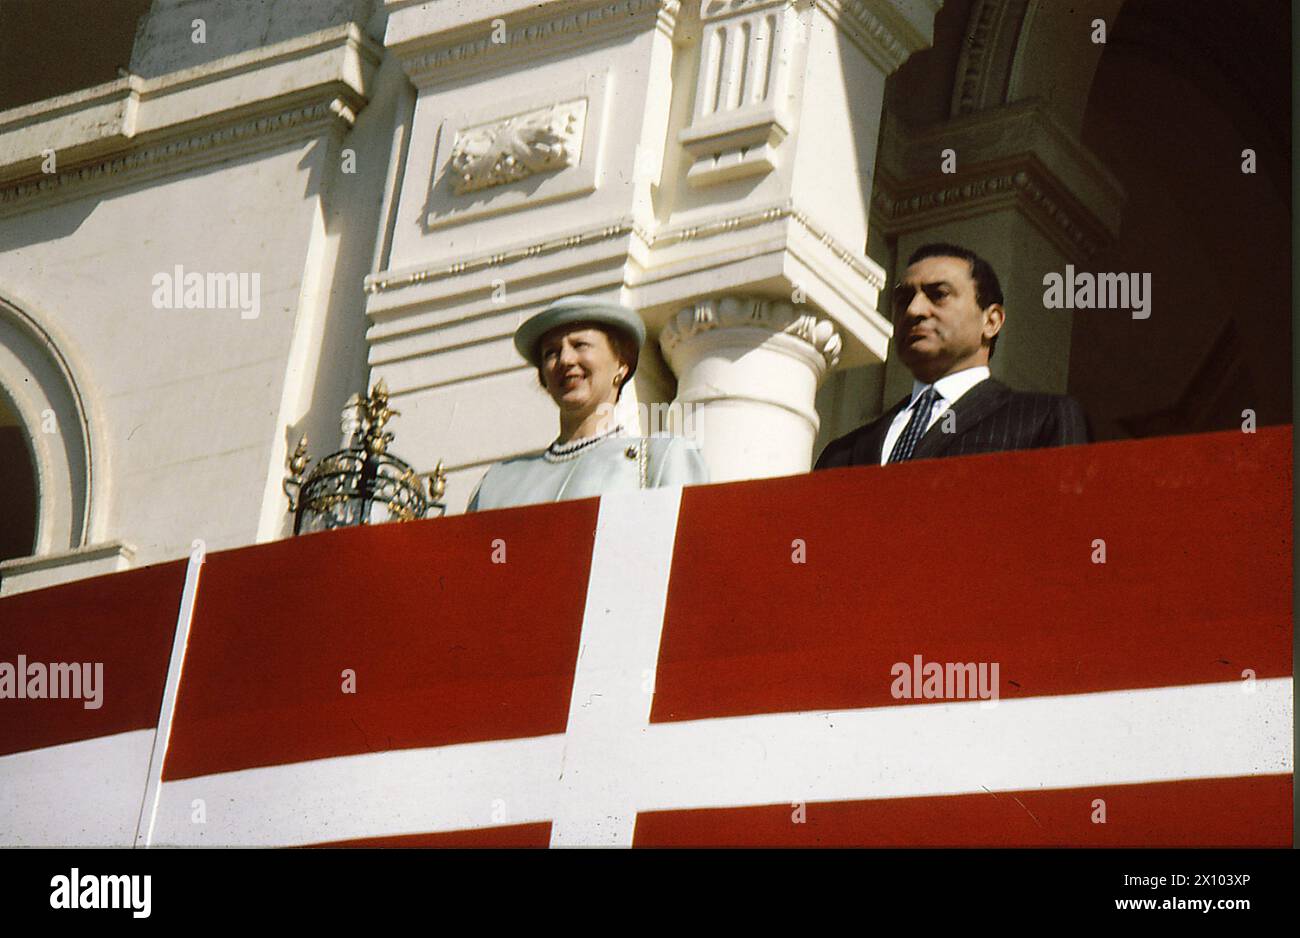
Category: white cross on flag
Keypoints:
(932, 653)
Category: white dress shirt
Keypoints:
(949, 388)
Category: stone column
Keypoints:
(747, 371)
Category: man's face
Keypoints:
(939, 327)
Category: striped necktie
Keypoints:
(916, 427)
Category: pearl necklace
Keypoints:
(561, 452)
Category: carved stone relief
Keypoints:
(507, 150)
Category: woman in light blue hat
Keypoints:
(585, 352)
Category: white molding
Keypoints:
(884, 32)
(109, 550)
(859, 264)
(389, 280)
(777, 245)
(435, 44)
(1014, 154)
(21, 574)
(241, 103)
(180, 153)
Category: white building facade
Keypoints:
(278, 204)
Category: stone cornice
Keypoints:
(133, 123)
(183, 151)
(108, 550)
(657, 239)
(386, 281)
(848, 258)
(1015, 153)
(675, 234)
(776, 316)
(434, 46)
(882, 31)
(900, 207)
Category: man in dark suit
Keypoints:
(947, 314)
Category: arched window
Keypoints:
(46, 443)
(17, 485)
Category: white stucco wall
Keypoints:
(227, 159)
(194, 408)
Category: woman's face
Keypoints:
(579, 366)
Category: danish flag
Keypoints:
(708, 666)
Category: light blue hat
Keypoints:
(571, 309)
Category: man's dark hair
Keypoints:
(987, 288)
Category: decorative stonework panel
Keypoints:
(776, 316)
(739, 54)
(738, 120)
(517, 154)
(504, 151)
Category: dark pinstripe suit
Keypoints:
(989, 418)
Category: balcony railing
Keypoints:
(1088, 646)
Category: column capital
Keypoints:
(777, 317)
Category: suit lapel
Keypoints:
(970, 409)
(868, 448)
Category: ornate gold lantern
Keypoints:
(362, 483)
